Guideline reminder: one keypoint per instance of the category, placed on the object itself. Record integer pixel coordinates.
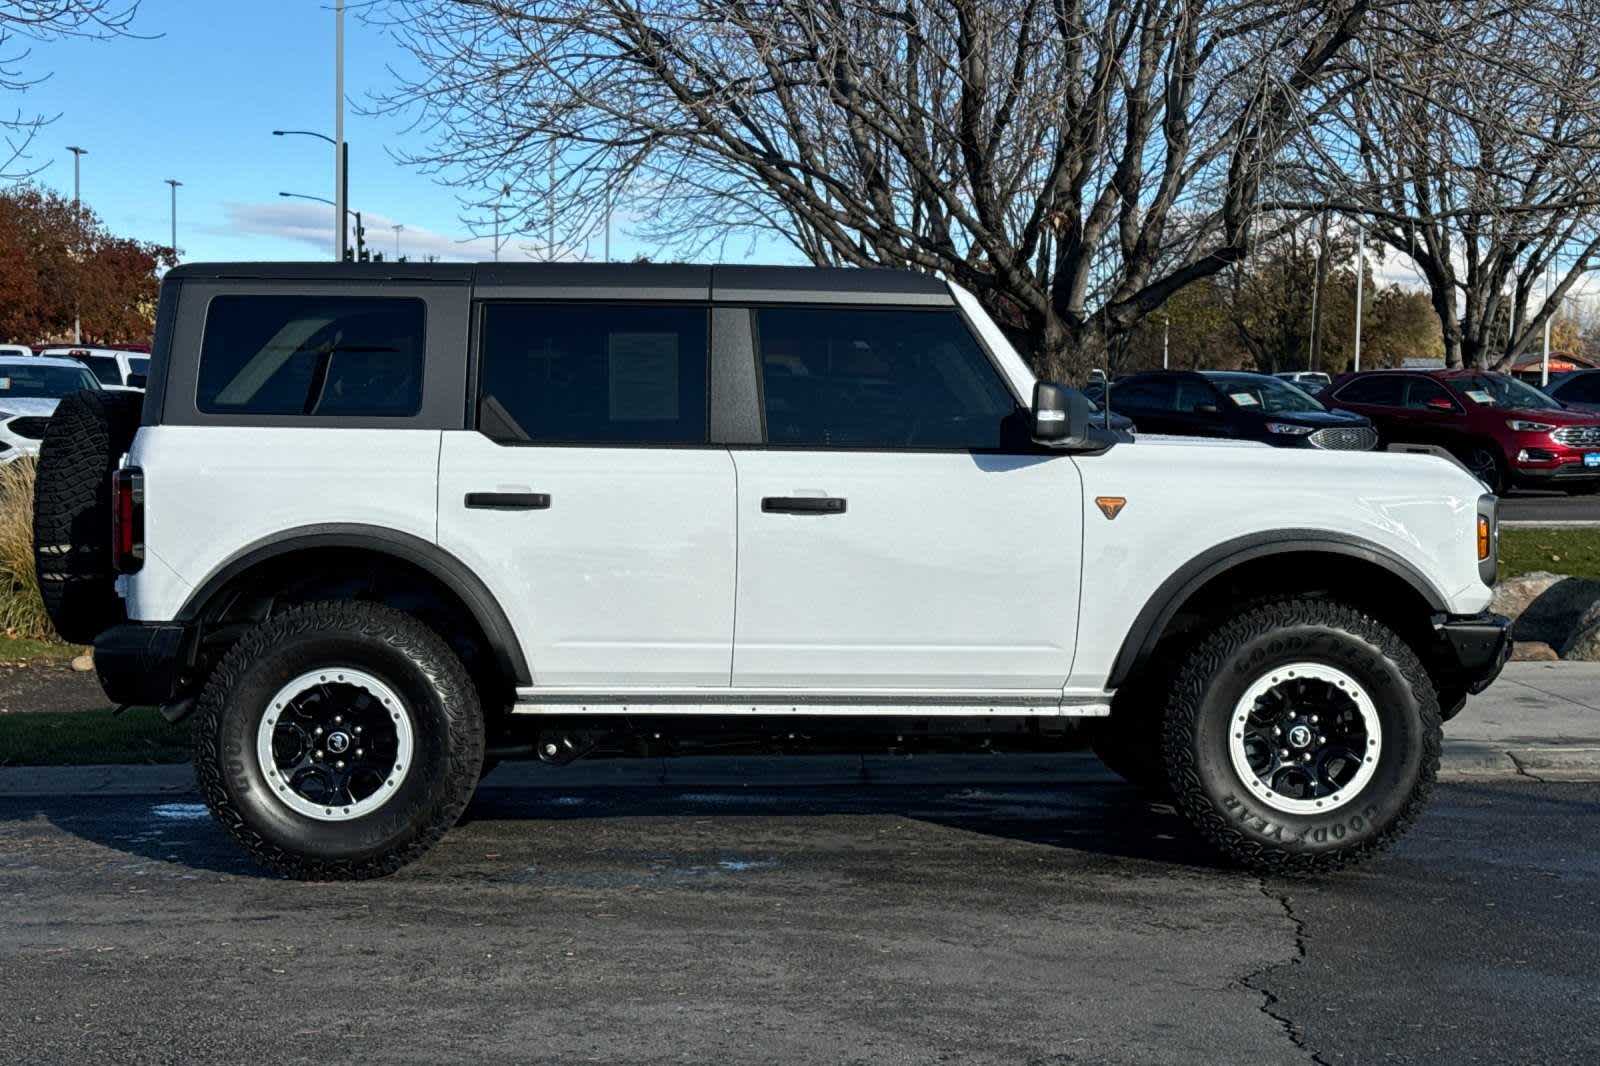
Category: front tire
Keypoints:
(1302, 735)
(338, 741)
(1484, 461)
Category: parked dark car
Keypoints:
(1239, 406)
(1504, 430)
(1577, 391)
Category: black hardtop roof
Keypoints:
(659, 280)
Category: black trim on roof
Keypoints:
(681, 281)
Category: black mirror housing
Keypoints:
(1061, 417)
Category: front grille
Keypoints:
(1578, 435)
(31, 427)
(1353, 439)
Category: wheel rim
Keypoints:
(335, 744)
(1482, 463)
(1305, 738)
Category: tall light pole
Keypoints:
(340, 188)
(77, 159)
(1361, 264)
(174, 183)
(341, 239)
(397, 227)
(1549, 290)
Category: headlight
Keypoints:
(1524, 426)
(1290, 431)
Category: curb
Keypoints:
(1462, 759)
(1548, 523)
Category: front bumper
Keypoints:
(144, 663)
(1471, 650)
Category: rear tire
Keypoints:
(283, 707)
(83, 442)
(1357, 716)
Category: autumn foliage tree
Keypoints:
(58, 261)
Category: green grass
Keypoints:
(1575, 552)
(86, 738)
(27, 649)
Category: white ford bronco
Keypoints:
(374, 527)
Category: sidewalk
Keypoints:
(1539, 719)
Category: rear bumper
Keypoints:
(1471, 649)
(144, 663)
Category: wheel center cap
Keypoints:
(1299, 736)
(338, 743)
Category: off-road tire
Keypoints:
(83, 442)
(1215, 675)
(445, 717)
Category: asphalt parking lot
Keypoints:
(1528, 505)
(1008, 923)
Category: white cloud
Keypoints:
(311, 224)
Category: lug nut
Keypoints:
(317, 732)
(317, 754)
(1306, 757)
(1284, 752)
(340, 718)
(1277, 732)
(1314, 719)
(1321, 739)
(339, 765)
(359, 753)
(358, 729)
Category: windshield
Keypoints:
(1264, 395)
(1500, 390)
(33, 381)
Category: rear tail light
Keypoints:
(127, 520)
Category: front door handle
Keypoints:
(803, 504)
(509, 501)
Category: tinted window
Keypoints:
(1380, 390)
(1143, 394)
(30, 380)
(1264, 395)
(139, 365)
(1193, 395)
(312, 355)
(1499, 390)
(594, 374)
(105, 369)
(1580, 388)
(878, 379)
(1422, 391)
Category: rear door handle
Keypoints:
(509, 501)
(803, 504)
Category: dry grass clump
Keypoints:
(22, 612)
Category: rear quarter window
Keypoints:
(356, 356)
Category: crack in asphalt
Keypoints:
(1523, 771)
(1269, 999)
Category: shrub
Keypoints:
(22, 612)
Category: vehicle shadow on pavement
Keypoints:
(1099, 820)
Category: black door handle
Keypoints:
(509, 501)
(803, 504)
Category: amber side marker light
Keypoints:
(1483, 538)
(1110, 506)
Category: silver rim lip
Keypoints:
(304, 683)
(1263, 791)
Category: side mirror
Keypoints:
(1061, 416)
(137, 381)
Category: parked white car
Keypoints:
(115, 369)
(15, 351)
(30, 388)
(375, 527)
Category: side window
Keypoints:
(1150, 395)
(105, 369)
(1193, 395)
(1581, 388)
(1380, 390)
(312, 355)
(863, 378)
(1420, 392)
(593, 374)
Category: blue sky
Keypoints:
(198, 100)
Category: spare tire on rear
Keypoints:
(85, 439)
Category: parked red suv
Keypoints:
(1505, 431)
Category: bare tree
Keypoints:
(1472, 145)
(24, 23)
(1075, 162)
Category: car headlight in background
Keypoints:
(1290, 431)
(1522, 425)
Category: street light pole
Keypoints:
(341, 215)
(77, 159)
(174, 183)
(397, 227)
(1166, 334)
(1361, 264)
(341, 175)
